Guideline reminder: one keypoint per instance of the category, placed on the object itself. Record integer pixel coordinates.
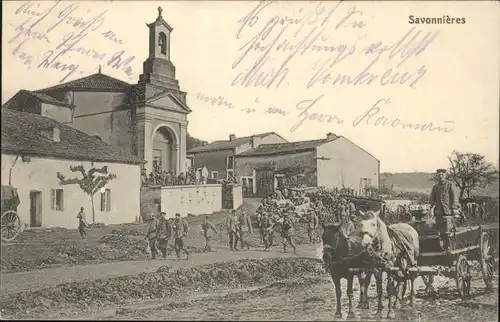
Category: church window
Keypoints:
(162, 42)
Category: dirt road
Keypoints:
(313, 299)
(32, 280)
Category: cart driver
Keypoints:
(444, 199)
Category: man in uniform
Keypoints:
(180, 232)
(232, 224)
(444, 200)
(208, 228)
(163, 233)
(288, 231)
(81, 223)
(266, 227)
(312, 223)
(245, 225)
(151, 235)
(351, 209)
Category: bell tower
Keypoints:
(158, 69)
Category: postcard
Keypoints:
(250, 160)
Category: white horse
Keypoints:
(397, 245)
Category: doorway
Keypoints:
(35, 208)
(264, 178)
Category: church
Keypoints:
(147, 119)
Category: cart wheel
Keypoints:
(463, 276)
(11, 225)
(487, 261)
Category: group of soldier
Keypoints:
(161, 229)
(279, 210)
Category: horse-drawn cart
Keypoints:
(451, 252)
(11, 223)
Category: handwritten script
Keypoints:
(271, 43)
(324, 45)
(46, 21)
(307, 110)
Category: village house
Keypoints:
(332, 162)
(37, 151)
(147, 119)
(218, 156)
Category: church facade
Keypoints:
(147, 119)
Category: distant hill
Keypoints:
(421, 182)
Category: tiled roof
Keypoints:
(48, 99)
(93, 82)
(284, 148)
(226, 144)
(23, 133)
(23, 95)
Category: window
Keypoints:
(57, 201)
(247, 183)
(230, 162)
(106, 200)
(162, 42)
(215, 175)
(230, 175)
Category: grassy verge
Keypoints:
(164, 283)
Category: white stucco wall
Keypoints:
(345, 164)
(41, 174)
(195, 199)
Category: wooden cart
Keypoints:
(10, 221)
(452, 253)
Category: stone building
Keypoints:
(147, 119)
(218, 156)
(36, 153)
(331, 162)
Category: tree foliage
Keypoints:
(470, 171)
(91, 181)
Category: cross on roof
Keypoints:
(159, 12)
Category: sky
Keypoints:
(407, 93)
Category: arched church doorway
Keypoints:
(163, 152)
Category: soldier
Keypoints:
(151, 235)
(180, 232)
(208, 228)
(287, 232)
(266, 227)
(232, 224)
(245, 225)
(312, 224)
(443, 199)
(81, 223)
(163, 234)
(351, 209)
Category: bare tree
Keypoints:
(470, 171)
(89, 183)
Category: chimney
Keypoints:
(56, 134)
(252, 141)
(331, 136)
(232, 137)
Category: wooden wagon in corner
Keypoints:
(451, 252)
(11, 223)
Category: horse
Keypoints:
(339, 245)
(396, 245)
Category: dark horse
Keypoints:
(341, 250)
